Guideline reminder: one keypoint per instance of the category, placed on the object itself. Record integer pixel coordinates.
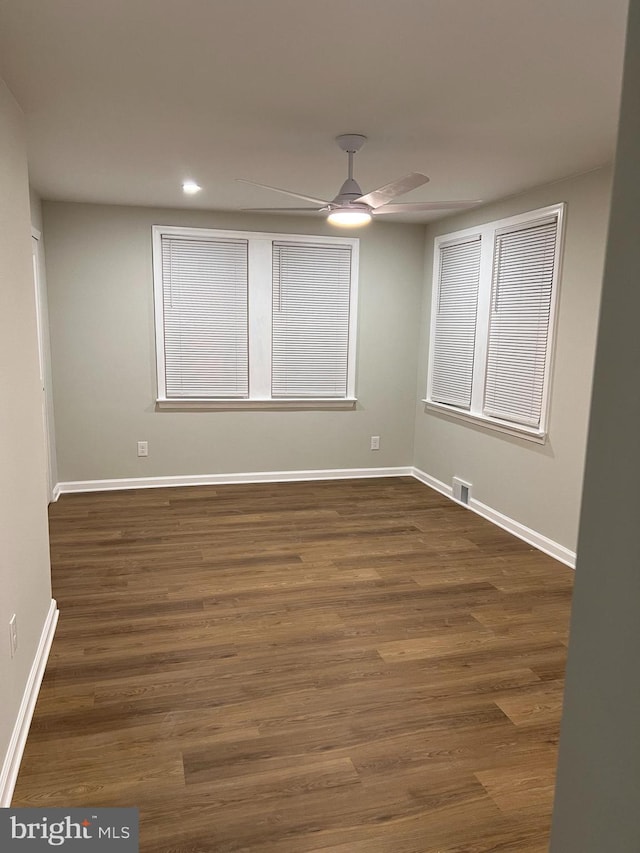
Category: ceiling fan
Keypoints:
(352, 207)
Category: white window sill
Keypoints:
(235, 403)
(528, 433)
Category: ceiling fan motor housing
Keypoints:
(349, 192)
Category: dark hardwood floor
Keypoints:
(352, 666)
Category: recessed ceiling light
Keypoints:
(190, 187)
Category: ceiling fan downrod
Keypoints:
(351, 143)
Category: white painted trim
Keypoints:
(488, 233)
(227, 479)
(532, 537)
(260, 307)
(55, 494)
(493, 424)
(246, 403)
(430, 481)
(352, 345)
(11, 764)
(543, 543)
(158, 308)
(259, 296)
(278, 236)
(37, 235)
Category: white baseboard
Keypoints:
(227, 479)
(55, 494)
(11, 763)
(430, 481)
(542, 543)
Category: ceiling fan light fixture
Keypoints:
(190, 187)
(348, 217)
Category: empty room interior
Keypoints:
(318, 442)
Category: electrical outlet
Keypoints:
(143, 448)
(13, 634)
(375, 442)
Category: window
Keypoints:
(493, 306)
(253, 318)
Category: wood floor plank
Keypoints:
(355, 666)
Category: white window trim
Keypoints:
(487, 234)
(260, 320)
(493, 424)
(188, 403)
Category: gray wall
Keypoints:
(537, 485)
(598, 789)
(35, 206)
(37, 222)
(102, 341)
(101, 313)
(24, 553)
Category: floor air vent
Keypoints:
(461, 491)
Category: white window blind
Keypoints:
(495, 290)
(205, 308)
(455, 325)
(521, 293)
(311, 298)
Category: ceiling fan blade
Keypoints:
(384, 194)
(281, 209)
(321, 201)
(424, 206)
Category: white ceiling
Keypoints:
(126, 98)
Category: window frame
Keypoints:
(487, 234)
(260, 286)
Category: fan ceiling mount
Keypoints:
(350, 206)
